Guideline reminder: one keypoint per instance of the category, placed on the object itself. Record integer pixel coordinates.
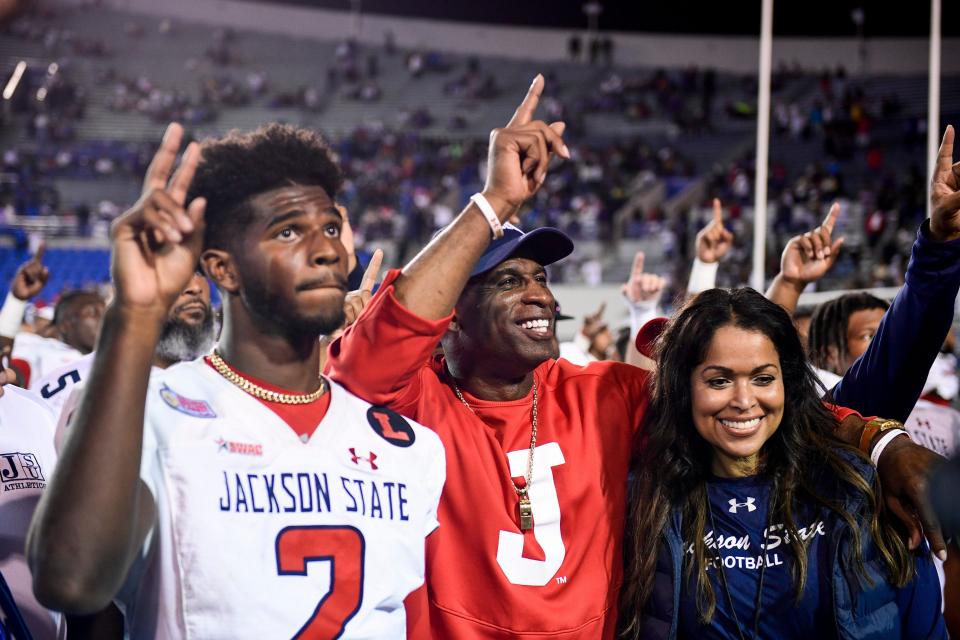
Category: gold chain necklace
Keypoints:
(259, 392)
(526, 508)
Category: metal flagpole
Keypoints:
(758, 277)
(933, 107)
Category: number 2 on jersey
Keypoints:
(343, 547)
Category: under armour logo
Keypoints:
(371, 459)
(749, 504)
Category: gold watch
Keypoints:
(872, 428)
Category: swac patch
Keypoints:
(391, 426)
(243, 448)
(195, 408)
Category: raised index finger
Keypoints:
(158, 173)
(638, 261)
(717, 212)
(372, 271)
(41, 249)
(524, 113)
(945, 155)
(831, 219)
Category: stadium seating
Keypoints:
(658, 110)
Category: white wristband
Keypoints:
(641, 312)
(11, 315)
(487, 210)
(703, 276)
(884, 441)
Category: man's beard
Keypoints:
(182, 341)
(264, 309)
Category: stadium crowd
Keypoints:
(840, 110)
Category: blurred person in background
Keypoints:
(38, 319)
(76, 324)
(840, 332)
(72, 333)
(594, 341)
(188, 333)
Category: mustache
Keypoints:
(331, 279)
(192, 301)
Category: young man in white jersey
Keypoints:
(188, 333)
(240, 495)
(27, 459)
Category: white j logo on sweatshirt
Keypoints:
(546, 521)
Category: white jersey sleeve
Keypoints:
(43, 355)
(262, 534)
(55, 387)
(27, 460)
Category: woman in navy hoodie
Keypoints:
(748, 518)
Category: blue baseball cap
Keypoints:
(545, 245)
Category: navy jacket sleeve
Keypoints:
(888, 378)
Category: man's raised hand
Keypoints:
(809, 256)
(357, 300)
(520, 154)
(805, 259)
(157, 242)
(945, 193)
(642, 287)
(714, 240)
(31, 276)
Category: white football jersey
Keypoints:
(936, 427)
(27, 460)
(56, 385)
(42, 354)
(262, 535)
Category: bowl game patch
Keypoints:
(194, 408)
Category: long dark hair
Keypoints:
(672, 462)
